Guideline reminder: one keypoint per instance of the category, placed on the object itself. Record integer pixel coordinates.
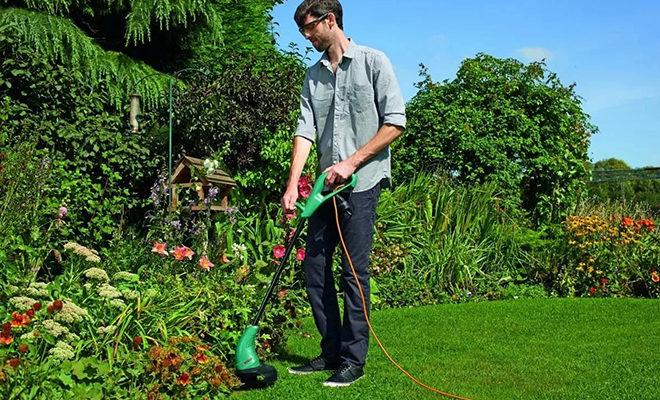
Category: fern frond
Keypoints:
(59, 40)
(168, 12)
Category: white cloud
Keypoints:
(535, 53)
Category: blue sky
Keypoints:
(610, 49)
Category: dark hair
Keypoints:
(317, 8)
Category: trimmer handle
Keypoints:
(316, 198)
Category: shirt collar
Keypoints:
(349, 53)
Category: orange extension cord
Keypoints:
(371, 329)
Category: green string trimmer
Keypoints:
(249, 369)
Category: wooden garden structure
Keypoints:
(189, 172)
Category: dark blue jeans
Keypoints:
(346, 340)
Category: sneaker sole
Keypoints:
(294, 372)
(337, 384)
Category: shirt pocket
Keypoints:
(321, 105)
(361, 98)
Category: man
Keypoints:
(352, 108)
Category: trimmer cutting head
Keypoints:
(254, 378)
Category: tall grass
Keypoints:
(453, 235)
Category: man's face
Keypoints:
(316, 30)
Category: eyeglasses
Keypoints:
(311, 25)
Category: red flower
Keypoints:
(184, 379)
(604, 281)
(278, 251)
(36, 306)
(592, 291)
(23, 348)
(57, 305)
(647, 224)
(50, 309)
(6, 328)
(14, 362)
(627, 222)
(137, 342)
(19, 320)
(300, 254)
(30, 313)
(304, 187)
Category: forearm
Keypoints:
(299, 154)
(383, 138)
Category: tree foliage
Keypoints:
(504, 121)
(123, 43)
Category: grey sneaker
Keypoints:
(314, 365)
(346, 375)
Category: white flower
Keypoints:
(126, 276)
(108, 291)
(89, 254)
(118, 303)
(71, 313)
(22, 303)
(102, 330)
(130, 294)
(54, 328)
(37, 289)
(97, 274)
(62, 351)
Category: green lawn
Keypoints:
(523, 349)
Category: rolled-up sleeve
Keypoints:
(306, 126)
(391, 107)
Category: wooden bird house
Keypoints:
(189, 172)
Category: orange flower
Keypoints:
(181, 252)
(201, 358)
(224, 259)
(19, 320)
(205, 263)
(6, 338)
(160, 248)
(23, 348)
(655, 277)
(627, 222)
(184, 379)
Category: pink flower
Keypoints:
(300, 254)
(205, 263)
(181, 252)
(62, 212)
(278, 251)
(160, 248)
(289, 215)
(304, 187)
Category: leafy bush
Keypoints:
(233, 118)
(96, 167)
(502, 121)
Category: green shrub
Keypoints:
(503, 121)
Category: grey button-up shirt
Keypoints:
(342, 111)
